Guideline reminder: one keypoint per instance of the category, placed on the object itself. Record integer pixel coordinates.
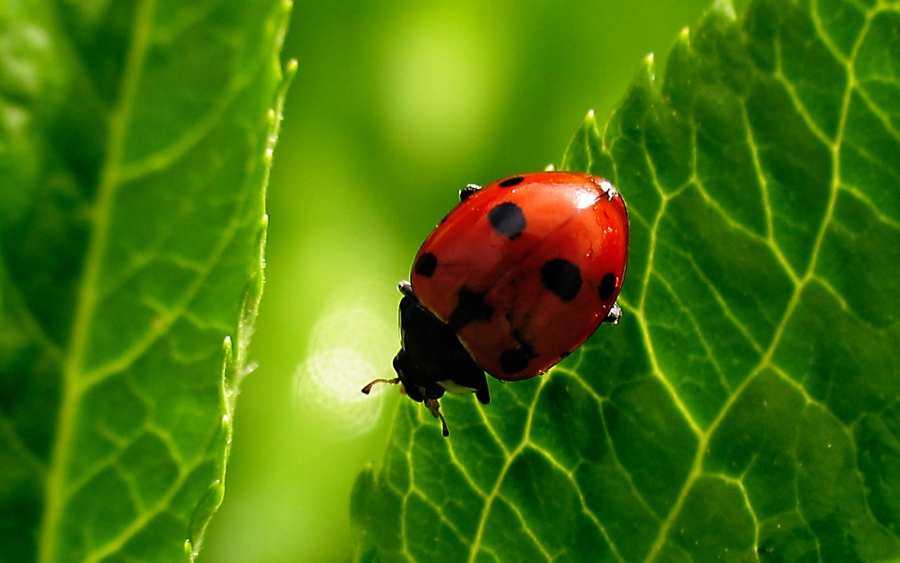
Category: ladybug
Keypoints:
(518, 275)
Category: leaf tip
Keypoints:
(290, 69)
(681, 51)
(203, 512)
(228, 357)
(726, 8)
(650, 64)
(577, 155)
(647, 73)
(276, 113)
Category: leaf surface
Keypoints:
(135, 140)
(747, 407)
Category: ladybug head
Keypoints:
(415, 382)
(431, 360)
(407, 375)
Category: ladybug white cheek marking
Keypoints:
(452, 387)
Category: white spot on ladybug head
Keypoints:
(452, 387)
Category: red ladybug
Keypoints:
(516, 277)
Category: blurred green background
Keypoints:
(395, 106)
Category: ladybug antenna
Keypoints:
(368, 387)
(435, 407)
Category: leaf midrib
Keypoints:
(72, 387)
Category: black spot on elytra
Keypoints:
(510, 182)
(426, 264)
(470, 307)
(562, 278)
(607, 287)
(515, 360)
(507, 219)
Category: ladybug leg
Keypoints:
(435, 407)
(368, 387)
(614, 314)
(406, 289)
(467, 191)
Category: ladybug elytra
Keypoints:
(517, 276)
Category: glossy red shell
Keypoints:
(571, 217)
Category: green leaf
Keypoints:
(135, 143)
(747, 407)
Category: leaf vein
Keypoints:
(87, 295)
